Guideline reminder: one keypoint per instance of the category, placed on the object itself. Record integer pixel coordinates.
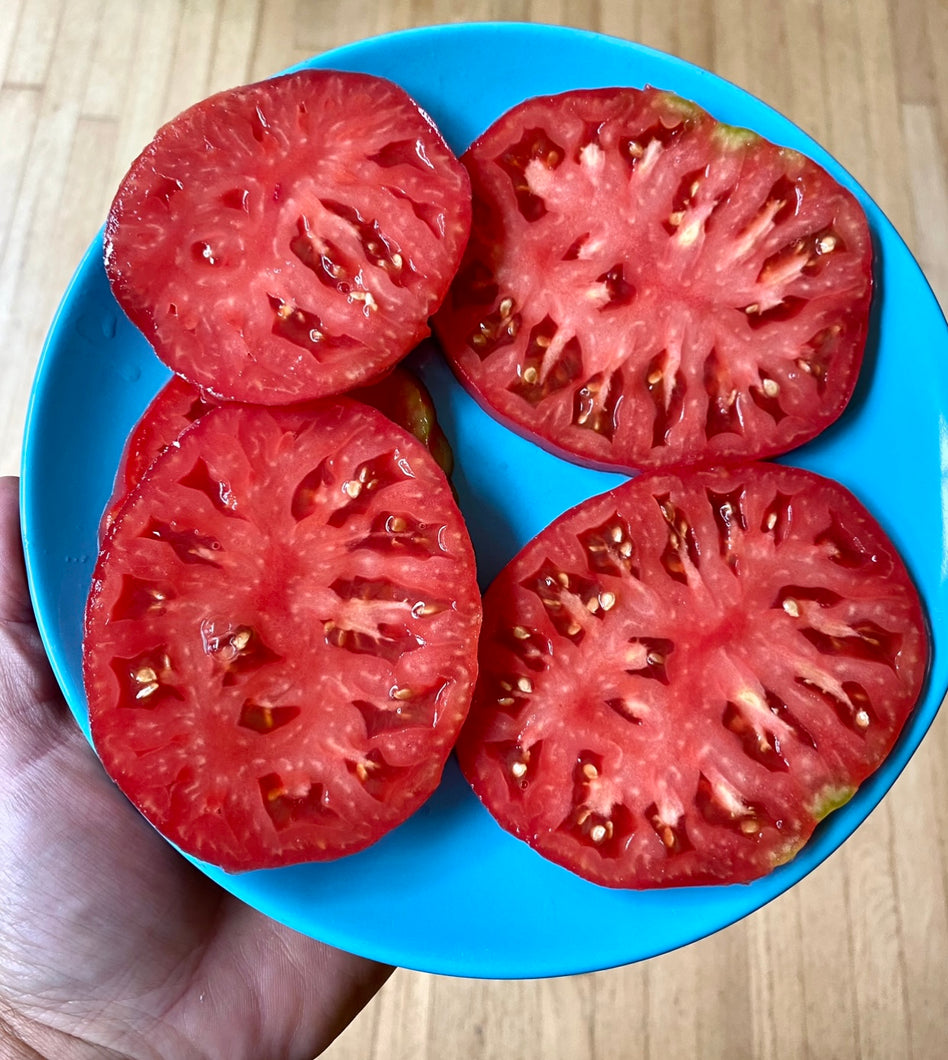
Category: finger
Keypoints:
(32, 709)
(15, 603)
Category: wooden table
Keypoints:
(853, 962)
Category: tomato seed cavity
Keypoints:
(407, 708)
(285, 809)
(265, 719)
(402, 153)
(190, 546)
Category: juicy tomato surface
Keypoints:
(280, 639)
(681, 677)
(645, 286)
(289, 239)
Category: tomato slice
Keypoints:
(647, 287)
(681, 677)
(289, 239)
(280, 638)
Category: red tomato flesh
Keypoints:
(681, 677)
(280, 640)
(289, 239)
(646, 287)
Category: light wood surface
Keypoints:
(853, 962)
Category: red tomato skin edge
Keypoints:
(467, 749)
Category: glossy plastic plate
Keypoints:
(450, 892)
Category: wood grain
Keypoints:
(852, 963)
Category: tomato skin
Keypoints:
(681, 677)
(288, 240)
(280, 637)
(645, 287)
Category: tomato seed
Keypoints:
(369, 303)
(424, 609)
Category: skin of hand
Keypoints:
(111, 943)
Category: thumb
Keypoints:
(14, 595)
(33, 713)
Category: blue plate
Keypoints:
(450, 892)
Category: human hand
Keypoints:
(111, 943)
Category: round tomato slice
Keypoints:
(681, 677)
(280, 638)
(645, 286)
(289, 239)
